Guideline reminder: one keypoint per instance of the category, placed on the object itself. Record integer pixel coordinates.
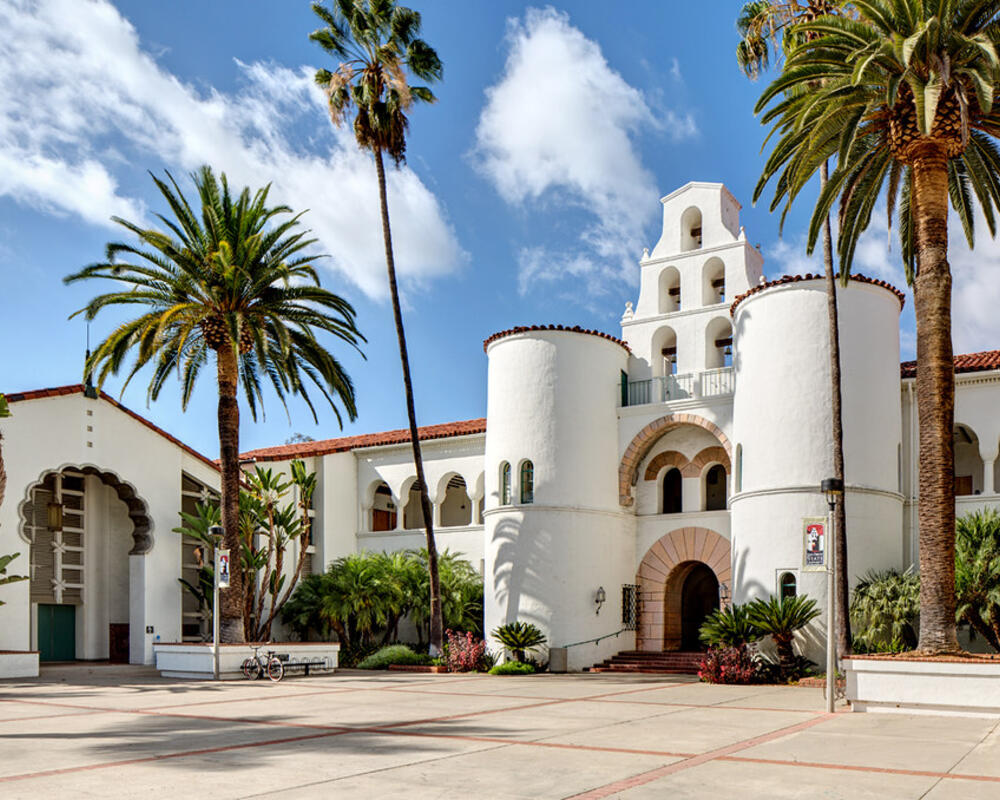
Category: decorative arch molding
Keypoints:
(710, 455)
(138, 512)
(660, 578)
(639, 447)
(670, 458)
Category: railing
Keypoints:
(689, 386)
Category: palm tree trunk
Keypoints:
(231, 628)
(3, 473)
(436, 624)
(935, 401)
(842, 600)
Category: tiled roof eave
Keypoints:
(787, 279)
(568, 329)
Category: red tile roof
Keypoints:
(574, 329)
(810, 277)
(402, 436)
(77, 388)
(967, 362)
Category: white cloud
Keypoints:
(975, 272)
(559, 127)
(80, 101)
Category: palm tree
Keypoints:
(232, 283)
(885, 605)
(977, 573)
(760, 24)
(376, 43)
(902, 96)
(4, 412)
(780, 618)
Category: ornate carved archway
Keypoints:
(639, 447)
(661, 579)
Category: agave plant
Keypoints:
(780, 618)
(884, 609)
(728, 627)
(518, 637)
(4, 577)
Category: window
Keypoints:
(739, 468)
(383, 509)
(715, 488)
(505, 484)
(527, 482)
(630, 607)
(672, 491)
(787, 585)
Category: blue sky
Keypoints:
(530, 188)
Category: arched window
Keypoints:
(383, 509)
(787, 585)
(672, 491)
(738, 474)
(691, 229)
(715, 488)
(456, 507)
(505, 484)
(413, 512)
(527, 482)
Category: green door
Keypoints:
(56, 633)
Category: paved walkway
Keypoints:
(102, 731)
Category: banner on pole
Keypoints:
(222, 568)
(814, 547)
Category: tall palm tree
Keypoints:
(902, 96)
(4, 412)
(761, 24)
(376, 43)
(231, 282)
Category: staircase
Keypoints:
(651, 662)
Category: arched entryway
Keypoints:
(699, 598)
(84, 527)
(679, 580)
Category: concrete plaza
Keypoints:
(105, 731)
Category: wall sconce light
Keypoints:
(724, 595)
(600, 596)
(55, 516)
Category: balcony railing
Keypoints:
(689, 386)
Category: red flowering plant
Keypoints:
(465, 652)
(729, 665)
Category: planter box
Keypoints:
(18, 663)
(436, 669)
(196, 661)
(959, 687)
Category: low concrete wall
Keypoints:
(18, 663)
(959, 688)
(196, 661)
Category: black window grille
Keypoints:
(630, 607)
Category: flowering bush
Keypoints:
(465, 652)
(728, 665)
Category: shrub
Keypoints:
(465, 652)
(781, 617)
(394, 654)
(518, 637)
(769, 672)
(513, 668)
(729, 665)
(884, 609)
(728, 627)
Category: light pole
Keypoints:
(832, 488)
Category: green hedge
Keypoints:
(394, 654)
(513, 668)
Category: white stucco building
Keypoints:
(669, 467)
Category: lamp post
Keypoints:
(832, 488)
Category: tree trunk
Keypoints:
(436, 632)
(231, 603)
(935, 400)
(3, 473)
(841, 579)
(786, 655)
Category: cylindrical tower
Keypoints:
(782, 434)
(554, 529)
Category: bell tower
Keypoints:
(680, 326)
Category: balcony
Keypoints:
(689, 386)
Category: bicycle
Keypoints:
(257, 665)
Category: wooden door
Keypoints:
(56, 632)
